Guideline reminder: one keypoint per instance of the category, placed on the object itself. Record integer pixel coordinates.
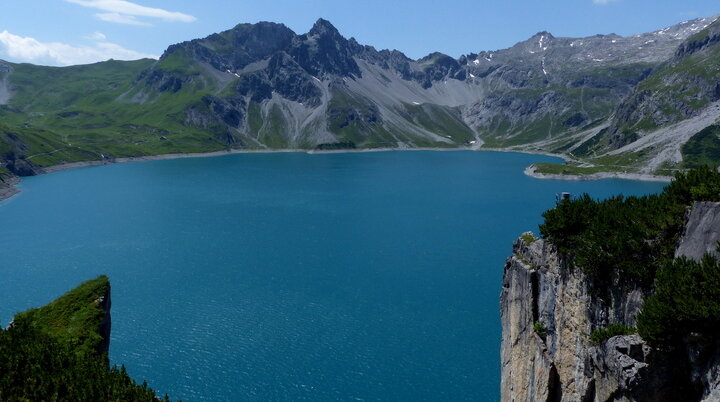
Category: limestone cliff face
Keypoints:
(551, 363)
(702, 231)
(104, 303)
(549, 310)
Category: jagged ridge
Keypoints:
(262, 86)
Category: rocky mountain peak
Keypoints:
(535, 44)
(262, 39)
(323, 27)
(263, 31)
(237, 47)
(541, 34)
(434, 57)
(323, 50)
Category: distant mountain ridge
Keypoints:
(262, 86)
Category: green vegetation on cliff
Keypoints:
(75, 318)
(539, 329)
(37, 367)
(625, 235)
(630, 241)
(54, 352)
(599, 336)
(686, 299)
(631, 236)
(333, 146)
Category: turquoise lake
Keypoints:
(289, 276)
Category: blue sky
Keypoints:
(62, 32)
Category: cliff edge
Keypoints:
(58, 352)
(549, 310)
(80, 317)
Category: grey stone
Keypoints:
(702, 231)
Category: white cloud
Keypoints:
(121, 19)
(96, 36)
(125, 12)
(30, 50)
(604, 1)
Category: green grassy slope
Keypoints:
(88, 112)
(50, 353)
(75, 318)
(703, 149)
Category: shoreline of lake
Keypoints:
(12, 190)
(532, 172)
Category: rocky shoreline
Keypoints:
(7, 186)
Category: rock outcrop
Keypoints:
(549, 309)
(548, 312)
(7, 186)
(104, 303)
(702, 231)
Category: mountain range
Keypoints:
(647, 103)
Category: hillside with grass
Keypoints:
(59, 352)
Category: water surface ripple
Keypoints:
(359, 276)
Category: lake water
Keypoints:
(357, 276)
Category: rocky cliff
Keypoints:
(702, 231)
(549, 310)
(104, 303)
